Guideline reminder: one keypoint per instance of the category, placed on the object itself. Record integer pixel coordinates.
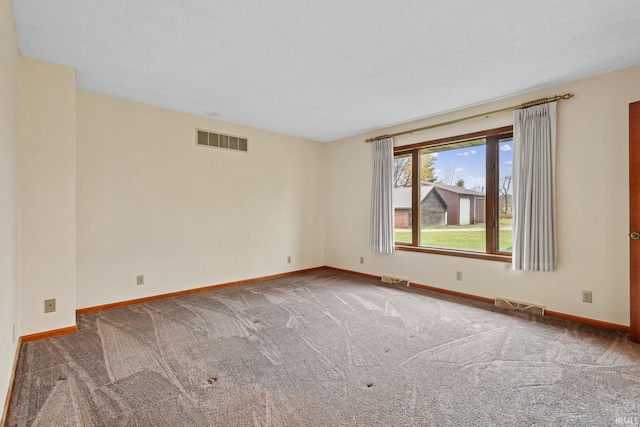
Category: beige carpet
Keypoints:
(324, 349)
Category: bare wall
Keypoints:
(592, 195)
(150, 202)
(9, 196)
(47, 195)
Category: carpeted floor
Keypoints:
(325, 349)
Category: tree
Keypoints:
(505, 191)
(402, 170)
(450, 173)
(460, 183)
(427, 168)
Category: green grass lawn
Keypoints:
(460, 238)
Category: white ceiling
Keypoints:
(326, 69)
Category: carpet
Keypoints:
(325, 348)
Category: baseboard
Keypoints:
(587, 321)
(454, 293)
(369, 276)
(191, 291)
(49, 334)
(554, 314)
(7, 401)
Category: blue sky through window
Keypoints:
(469, 164)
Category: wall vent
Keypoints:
(395, 280)
(219, 140)
(524, 307)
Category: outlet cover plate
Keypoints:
(50, 305)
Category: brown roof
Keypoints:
(459, 190)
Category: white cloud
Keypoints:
(508, 162)
(505, 148)
(471, 182)
(458, 170)
(466, 153)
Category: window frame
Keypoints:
(492, 215)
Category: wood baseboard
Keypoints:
(554, 314)
(63, 331)
(49, 334)
(587, 321)
(454, 293)
(369, 276)
(7, 401)
(190, 291)
(72, 329)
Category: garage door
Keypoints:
(465, 211)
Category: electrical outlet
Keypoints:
(587, 297)
(459, 276)
(361, 260)
(289, 260)
(140, 279)
(49, 305)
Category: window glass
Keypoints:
(402, 173)
(505, 195)
(461, 201)
(452, 196)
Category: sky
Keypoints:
(469, 164)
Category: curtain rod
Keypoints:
(502, 110)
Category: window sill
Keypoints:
(464, 254)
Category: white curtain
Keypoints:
(534, 206)
(381, 236)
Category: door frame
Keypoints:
(634, 220)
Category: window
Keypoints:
(454, 196)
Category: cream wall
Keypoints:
(47, 195)
(9, 196)
(592, 197)
(151, 202)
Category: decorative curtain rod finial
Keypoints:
(376, 138)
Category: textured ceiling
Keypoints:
(327, 69)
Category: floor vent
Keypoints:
(218, 140)
(524, 307)
(395, 280)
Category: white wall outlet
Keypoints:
(50, 305)
(361, 260)
(459, 276)
(587, 297)
(289, 259)
(140, 279)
